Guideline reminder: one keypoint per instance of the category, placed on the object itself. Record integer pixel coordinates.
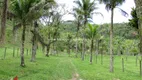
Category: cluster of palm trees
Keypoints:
(85, 9)
(25, 12)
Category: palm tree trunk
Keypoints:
(139, 15)
(22, 46)
(97, 47)
(76, 44)
(83, 48)
(34, 47)
(91, 52)
(3, 21)
(85, 22)
(83, 52)
(34, 42)
(78, 25)
(68, 50)
(111, 41)
(47, 50)
(48, 47)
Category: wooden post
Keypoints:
(140, 68)
(96, 58)
(13, 51)
(126, 57)
(101, 58)
(17, 51)
(5, 52)
(136, 60)
(30, 51)
(123, 64)
(27, 52)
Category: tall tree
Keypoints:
(91, 33)
(25, 12)
(78, 21)
(34, 42)
(69, 41)
(35, 37)
(86, 9)
(111, 5)
(134, 21)
(3, 21)
(139, 15)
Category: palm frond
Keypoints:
(108, 7)
(91, 31)
(98, 13)
(78, 3)
(124, 13)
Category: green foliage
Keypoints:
(120, 29)
(112, 3)
(21, 9)
(91, 31)
(85, 8)
(134, 21)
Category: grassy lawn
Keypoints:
(98, 71)
(63, 67)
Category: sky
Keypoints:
(98, 19)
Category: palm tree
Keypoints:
(26, 11)
(111, 5)
(86, 9)
(3, 21)
(35, 37)
(91, 33)
(78, 18)
(134, 21)
(139, 16)
(69, 41)
(34, 42)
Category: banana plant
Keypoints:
(91, 33)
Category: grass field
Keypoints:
(63, 67)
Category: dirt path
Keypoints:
(75, 75)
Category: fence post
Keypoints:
(5, 52)
(27, 52)
(101, 58)
(123, 64)
(13, 51)
(31, 51)
(140, 68)
(96, 58)
(136, 60)
(17, 51)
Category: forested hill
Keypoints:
(122, 30)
